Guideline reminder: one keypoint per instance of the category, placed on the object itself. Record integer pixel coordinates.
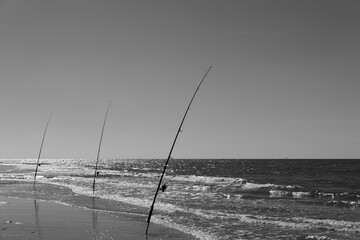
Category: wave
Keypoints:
(344, 204)
(298, 223)
(168, 221)
(224, 187)
(315, 237)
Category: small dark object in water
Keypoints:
(97, 173)
(163, 187)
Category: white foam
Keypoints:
(207, 180)
(167, 221)
(257, 186)
(279, 193)
(295, 223)
(317, 237)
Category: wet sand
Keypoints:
(43, 220)
(35, 219)
(50, 212)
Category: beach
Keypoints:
(37, 219)
(208, 199)
(49, 212)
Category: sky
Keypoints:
(284, 81)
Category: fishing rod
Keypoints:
(97, 159)
(42, 142)
(172, 147)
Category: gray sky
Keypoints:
(285, 78)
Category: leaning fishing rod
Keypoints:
(102, 133)
(172, 147)
(42, 143)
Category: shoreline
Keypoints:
(21, 217)
(23, 206)
(38, 219)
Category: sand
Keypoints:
(43, 220)
(50, 212)
(35, 219)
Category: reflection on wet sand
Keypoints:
(39, 212)
(36, 205)
(37, 221)
(94, 220)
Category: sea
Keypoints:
(219, 198)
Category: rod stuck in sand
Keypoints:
(172, 147)
(42, 143)
(98, 154)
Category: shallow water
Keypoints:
(222, 198)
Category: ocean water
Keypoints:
(221, 198)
